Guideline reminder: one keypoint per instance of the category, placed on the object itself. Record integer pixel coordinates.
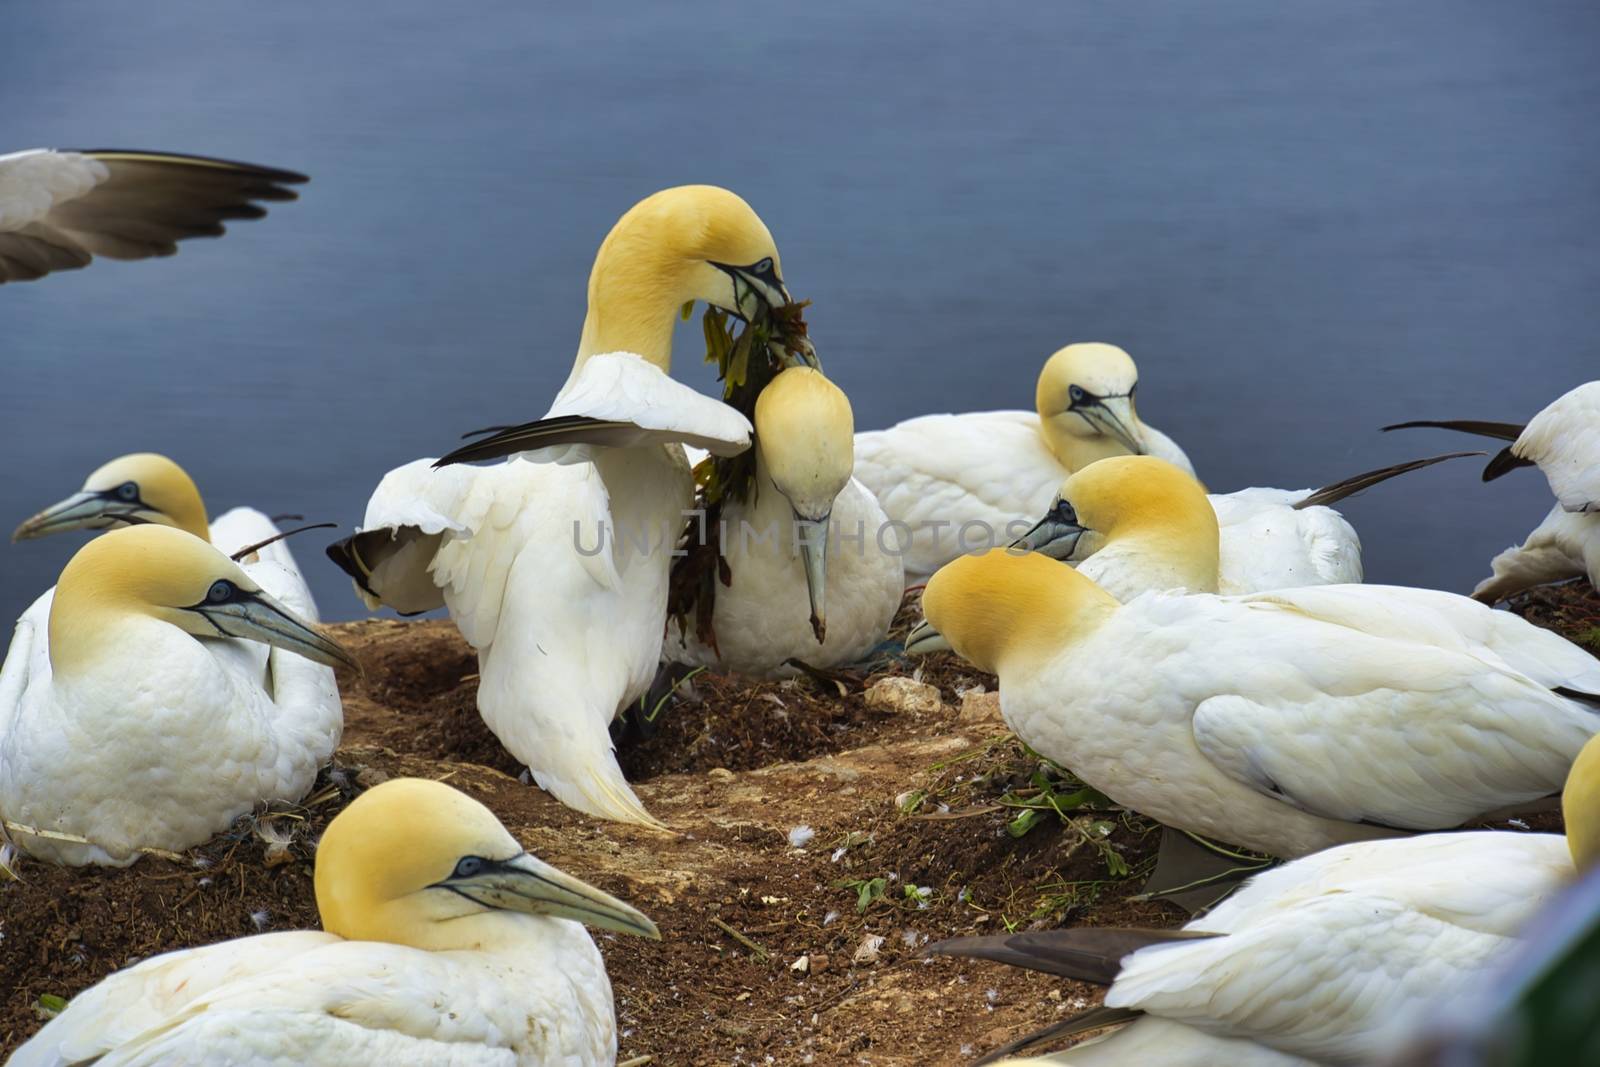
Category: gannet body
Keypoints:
(961, 483)
(558, 575)
(1563, 441)
(1285, 722)
(140, 706)
(59, 209)
(810, 527)
(445, 943)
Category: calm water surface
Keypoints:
(1304, 221)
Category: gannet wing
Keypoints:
(619, 400)
(27, 660)
(1387, 732)
(1564, 440)
(145, 997)
(1446, 621)
(60, 209)
(373, 1002)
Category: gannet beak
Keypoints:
(1056, 535)
(255, 616)
(85, 511)
(813, 537)
(924, 639)
(1114, 416)
(530, 885)
(755, 286)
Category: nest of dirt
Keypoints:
(826, 832)
(1571, 609)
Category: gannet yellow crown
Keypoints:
(1142, 510)
(805, 441)
(170, 576)
(140, 487)
(416, 862)
(1002, 605)
(691, 242)
(1085, 399)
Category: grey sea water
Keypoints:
(1303, 220)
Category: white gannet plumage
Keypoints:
(445, 943)
(140, 706)
(1285, 721)
(61, 208)
(994, 472)
(808, 552)
(1563, 441)
(556, 570)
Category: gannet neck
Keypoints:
(1154, 517)
(1085, 400)
(670, 249)
(1005, 611)
(1580, 806)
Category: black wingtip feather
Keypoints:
(1505, 431)
(255, 170)
(1331, 494)
(1504, 462)
(1088, 954)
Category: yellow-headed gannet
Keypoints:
(143, 708)
(443, 942)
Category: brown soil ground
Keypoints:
(908, 810)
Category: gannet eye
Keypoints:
(221, 591)
(469, 867)
(128, 491)
(1078, 394)
(763, 266)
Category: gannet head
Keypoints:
(1087, 390)
(1135, 499)
(173, 576)
(805, 441)
(409, 860)
(1002, 607)
(1580, 806)
(138, 488)
(692, 242)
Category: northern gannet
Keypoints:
(556, 572)
(443, 941)
(808, 554)
(1285, 722)
(1125, 522)
(148, 487)
(61, 208)
(964, 482)
(1330, 959)
(130, 716)
(1563, 441)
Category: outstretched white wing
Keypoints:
(60, 209)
